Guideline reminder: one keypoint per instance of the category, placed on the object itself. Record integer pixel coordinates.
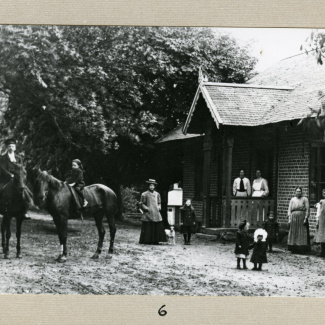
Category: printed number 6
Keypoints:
(162, 312)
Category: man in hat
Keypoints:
(152, 230)
(7, 165)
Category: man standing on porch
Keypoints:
(242, 185)
(260, 186)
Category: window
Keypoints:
(316, 173)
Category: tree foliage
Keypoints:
(104, 94)
(315, 120)
(315, 43)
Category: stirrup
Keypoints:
(85, 204)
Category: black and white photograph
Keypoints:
(170, 161)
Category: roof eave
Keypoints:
(213, 110)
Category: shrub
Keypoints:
(130, 197)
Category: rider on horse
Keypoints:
(8, 161)
(75, 178)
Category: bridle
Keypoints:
(40, 180)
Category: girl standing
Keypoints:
(187, 221)
(259, 249)
(242, 243)
(271, 226)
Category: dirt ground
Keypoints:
(207, 267)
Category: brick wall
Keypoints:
(293, 170)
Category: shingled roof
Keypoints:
(306, 76)
(176, 134)
(280, 93)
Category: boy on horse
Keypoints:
(8, 161)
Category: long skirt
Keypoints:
(152, 233)
(320, 235)
(298, 238)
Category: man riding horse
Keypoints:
(8, 162)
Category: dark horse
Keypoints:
(56, 197)
(15, 200)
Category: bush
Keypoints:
(130, 197)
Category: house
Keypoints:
(248, 127)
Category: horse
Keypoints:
(57, 197)
(15, 199)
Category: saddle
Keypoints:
(90, 196)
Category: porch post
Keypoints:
(275, 190)
(229, 146)
(207, 145)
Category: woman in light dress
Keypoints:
(298, 213)
(260, 187)
(320, 224)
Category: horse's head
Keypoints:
(20, 176)
(41, 188)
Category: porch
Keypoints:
(252, 209)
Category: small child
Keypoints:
(259, 249)
(242, 243)
(188, 220)
(271, 226)
(75, 178)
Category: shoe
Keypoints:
(238, 267)
(26, 217)
(85, 203)
(245, 268)
(254, 269)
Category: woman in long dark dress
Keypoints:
(298, 213)
(187, 221)
(152, 230)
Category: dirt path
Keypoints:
(204, 268)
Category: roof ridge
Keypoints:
(293, 56)
(234, 85)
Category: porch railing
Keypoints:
(254, 210)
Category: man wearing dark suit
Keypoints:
(7, 165)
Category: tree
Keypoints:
(315, 121)
(104, 94)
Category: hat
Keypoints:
(260, 232)
(10, 141)
(242, 224)
(152, 181)
(77, 161)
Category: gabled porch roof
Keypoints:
(238, 104)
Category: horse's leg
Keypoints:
(61, 227)
(112, 230)
(19, 222)
(101, 233)
(8, 235)
(3, 234)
